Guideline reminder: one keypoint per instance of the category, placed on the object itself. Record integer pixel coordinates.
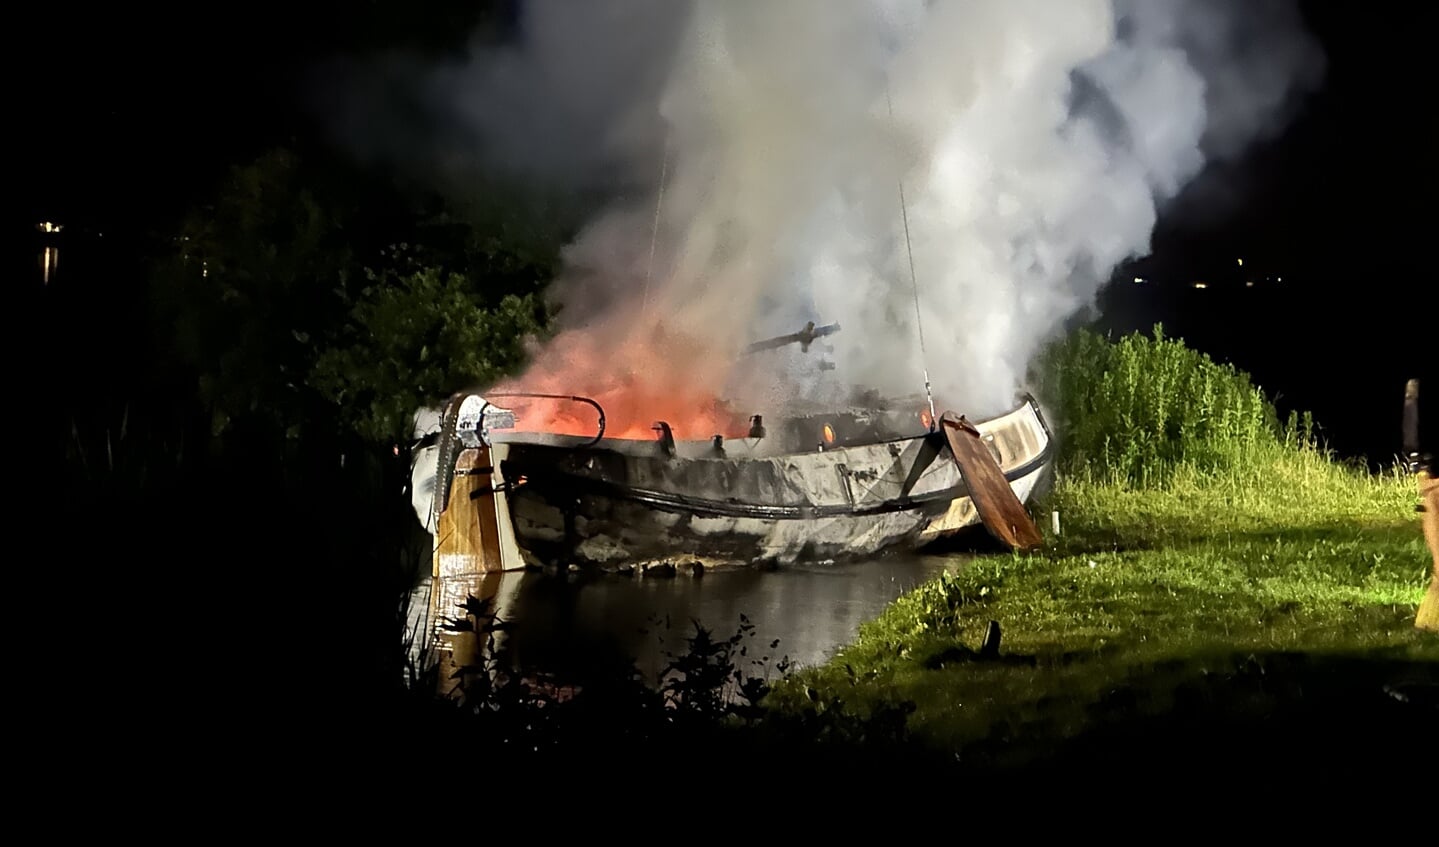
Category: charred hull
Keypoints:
(565, 519)
(754, 501)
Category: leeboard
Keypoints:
(999, 508)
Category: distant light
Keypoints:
(1139, 280)
(1249, 284)
(48, 226)
(1241, 263)
(1279, 279)
(1201, 285)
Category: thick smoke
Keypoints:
(758, 150)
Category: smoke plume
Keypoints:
(756, 150)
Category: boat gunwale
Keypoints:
(709, 507)
(631, 446)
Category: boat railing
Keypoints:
(575, 398)
(451, 443)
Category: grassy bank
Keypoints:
(1217, 580)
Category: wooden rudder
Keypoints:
(474, 534)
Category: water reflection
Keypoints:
(49, 251)
(566, 623)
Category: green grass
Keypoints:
(1250, 554)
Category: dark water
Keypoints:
(812, 610)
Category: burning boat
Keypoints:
(811, 486)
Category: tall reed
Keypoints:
(1137, 409)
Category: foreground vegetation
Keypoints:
(1223, 579)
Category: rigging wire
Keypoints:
(914, 281)
(655, 229)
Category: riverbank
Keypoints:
(1217, 618)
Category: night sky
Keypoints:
(127, 118)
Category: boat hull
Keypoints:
(558, 527)
(608, 507)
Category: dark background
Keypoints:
(128, 118)
(1339, 208)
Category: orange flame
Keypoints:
(926, 418)
(640, 379)
(828, 434)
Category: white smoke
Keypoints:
(1035, 142)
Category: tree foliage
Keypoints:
(412, 339)
(253, 277)
(309, 300)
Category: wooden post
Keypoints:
(1428, 617)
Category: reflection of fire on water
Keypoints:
(438, 637)
(638, 381)
(49, 261)
(458, 629)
